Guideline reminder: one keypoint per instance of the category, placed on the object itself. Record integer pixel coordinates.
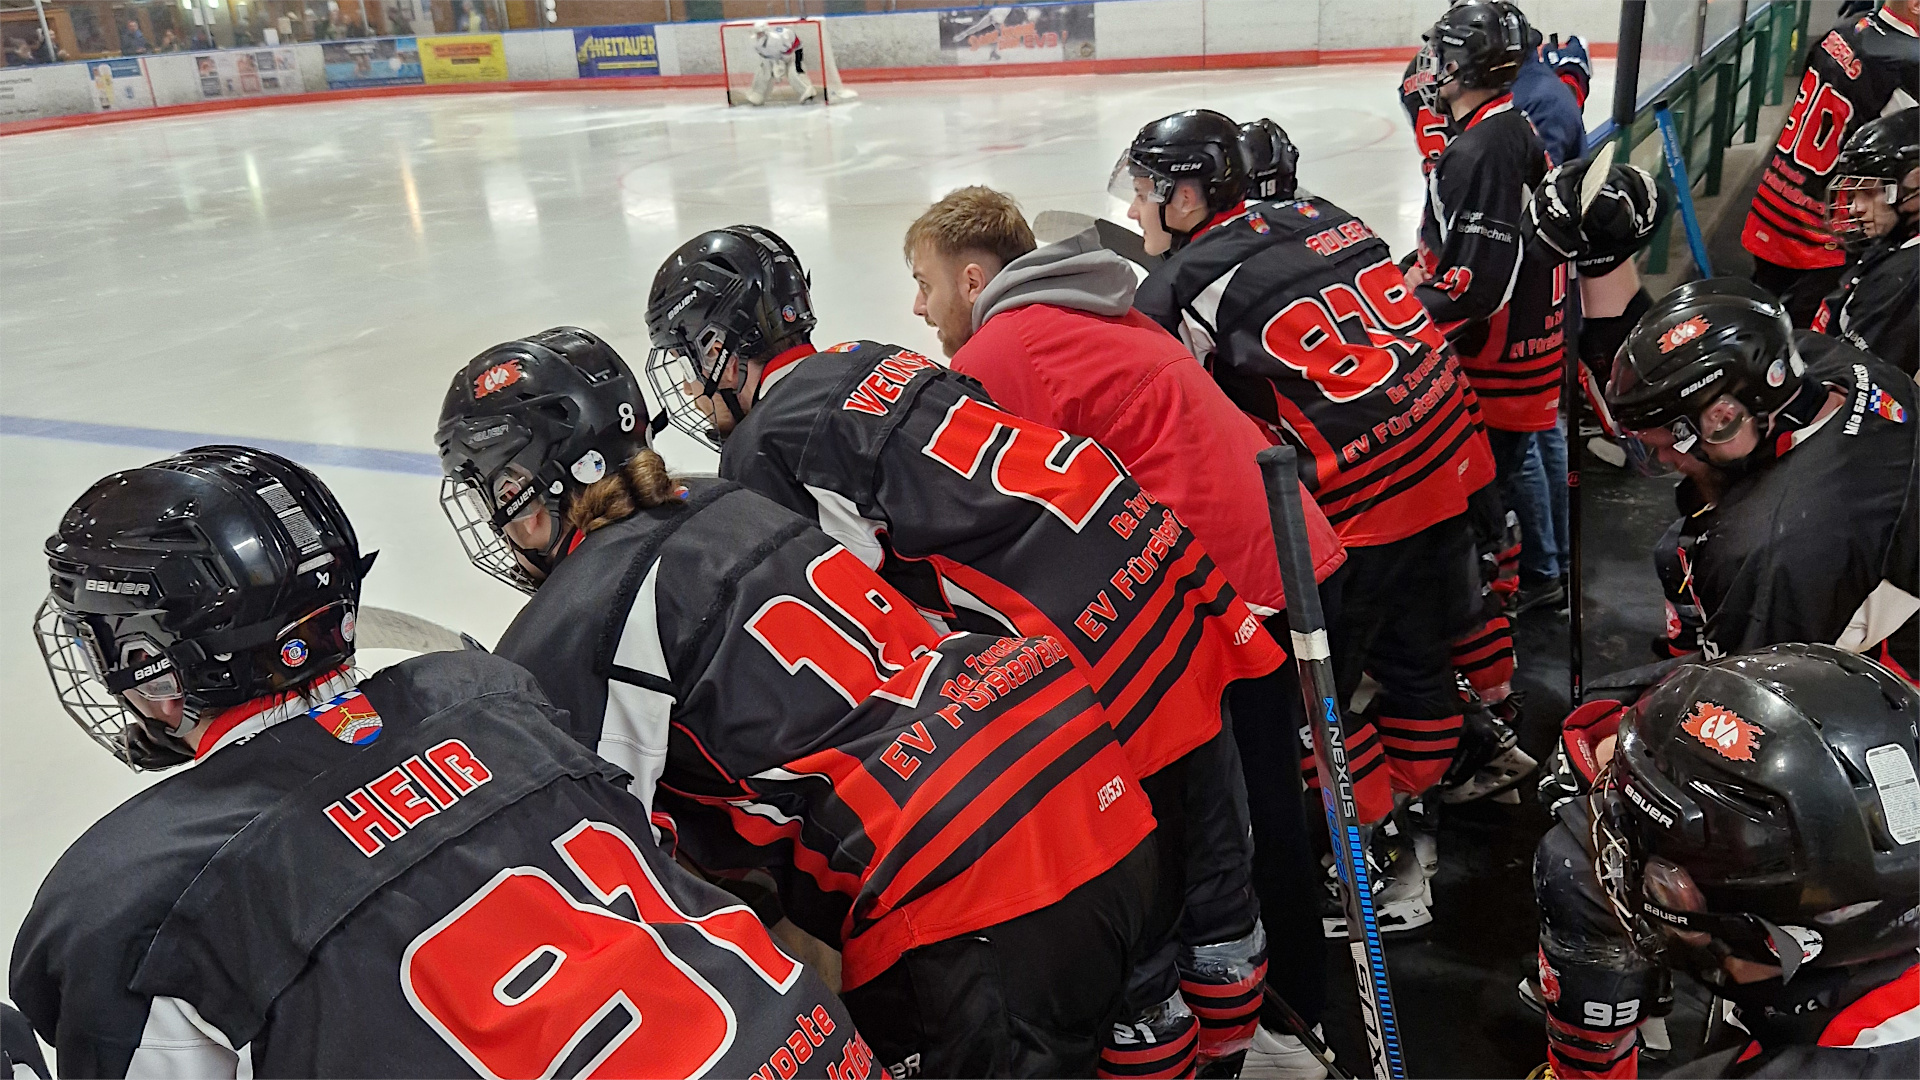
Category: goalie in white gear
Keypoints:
(781, 57)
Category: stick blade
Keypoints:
(1596, 177)
(1053, 226)
(384, 628)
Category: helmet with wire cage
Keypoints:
(1478, 45)
(534, 422)
(1272, 160)
(724, 299)
(1878, 162)
(1198, 146)
(1769, 804)
(201, 582)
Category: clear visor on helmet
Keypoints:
(76, 658)
(1722, 421)
(1121, 183)
(686, 376)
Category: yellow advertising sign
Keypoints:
(463, 58)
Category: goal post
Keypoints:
(741, 63)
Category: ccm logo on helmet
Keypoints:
(1183, 166)
(119, 588)
(406, 795)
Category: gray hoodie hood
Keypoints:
(1075, 273)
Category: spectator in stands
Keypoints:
(170, 42)
(20, 54)
(132, 41)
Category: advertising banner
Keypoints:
(120, 84)
(248, 74)
(19, 97)
(381, 62)
(604, 51)
(463, 58)
(1040, 34)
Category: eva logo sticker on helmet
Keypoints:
(1681, 333)
(293, 653)
(350, 718)
(1723, 731)
(497, 377)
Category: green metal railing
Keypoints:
(1718, 95)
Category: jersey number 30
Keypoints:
(522, 980)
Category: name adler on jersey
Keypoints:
(406, 795)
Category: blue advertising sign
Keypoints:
(608, 51)
(380, 62)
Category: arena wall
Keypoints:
(1128, 35)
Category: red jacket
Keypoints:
(1132, 387)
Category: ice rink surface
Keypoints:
(314, 274)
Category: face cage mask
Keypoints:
(1664, 911)
(672, 370)
(77, 665)
(1846, 220)
(472, 515)
(1427, 68)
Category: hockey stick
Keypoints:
(1308, 623)
(1573, 394)
(383, 628)
(1053, 226)
(1297, 1027)
(1683, 191)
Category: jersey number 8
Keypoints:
(1306, 335)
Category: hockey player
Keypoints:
(782, 58)
(1859, 70)
(952, 812)
(986, 520)
(1754, 828)
(1714, 382)
(1272, 161)
(1501, 302)
(1051, 334)
(1305, 322)
(1872, 207)
(409, 874)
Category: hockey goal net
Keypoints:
(743, 65)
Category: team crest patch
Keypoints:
(1258, 224)
(1883, 403)
(497, 377)
(1681, 333)
(1723, 731)
(845, 346)
(349, 718)
(1307, 209)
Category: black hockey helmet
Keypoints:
(733, 293)
(1478, 45)
(1763, 806)
(1199, 145)
(1879, 160)
(1621, 219)
(203, 581)
(1272, 161)
(1702, 341)
(536, 419)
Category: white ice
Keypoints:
(317, 272)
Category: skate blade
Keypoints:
(1493, 778)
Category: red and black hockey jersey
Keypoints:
(790, 711)
(1431, 131)
(1854, 73)
(1500, 299)
(975, 512)
(1303, 318)
(466, 891)
(1873, 309)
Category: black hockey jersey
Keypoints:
(1854, 74)
(1877, 306)
(1819, 543)
(972, 511)
(1303, 318)
(465, 891)
(789, 711)
(1500, 300)
(1431, 130)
